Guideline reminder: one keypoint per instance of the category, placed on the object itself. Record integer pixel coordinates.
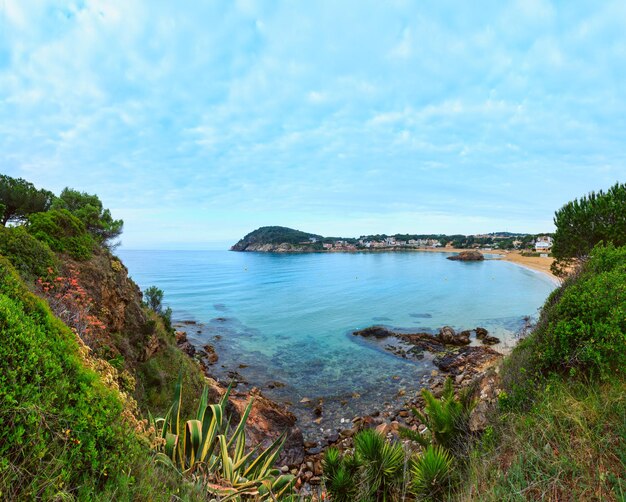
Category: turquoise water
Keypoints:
(289, 318)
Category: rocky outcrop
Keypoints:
(283, 247)
(267, 421)
(117, 303)
(448, 336)
(470, 255)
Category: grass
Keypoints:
(571, 445)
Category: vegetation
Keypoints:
(583, 223)
(381, 470)
(276, 235)
(60, 427)
(446, 419)
(205, 448)
(280, 235)
(376, 470)
(31, 257)
(62, 232)
(19, 198)
(88, 209)
(570, 445)
(561, 428)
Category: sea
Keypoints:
(283, 322)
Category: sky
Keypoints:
(197, 122)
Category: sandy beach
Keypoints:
(533, 262)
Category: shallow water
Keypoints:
(289, 318)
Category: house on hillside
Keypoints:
(543, 244)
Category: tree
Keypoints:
(88, 208)
(19, 198)
(154, 298)
(583, 223)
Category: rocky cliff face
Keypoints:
(283, 247)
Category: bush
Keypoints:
(585, 330)
(62, 232)
(60, 428)
(30, 257)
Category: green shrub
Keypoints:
(30, 257)
(62, 232)
(584, 325)
(446, 419)
(60, 428)
(375, 472)
(432, 473)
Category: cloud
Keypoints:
(318, 114)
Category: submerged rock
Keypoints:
(374, 331)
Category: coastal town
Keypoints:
(540, 244)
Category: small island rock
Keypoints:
(470, 255)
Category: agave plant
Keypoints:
(431, 473)
(445, 418)
(206, 445)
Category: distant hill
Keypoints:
(274, 236)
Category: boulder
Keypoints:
(490, 340)
(448, 336)
(470, 255)
(481, 333)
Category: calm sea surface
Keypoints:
(289, 318)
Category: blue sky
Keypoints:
(197, 122)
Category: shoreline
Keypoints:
(534, 263)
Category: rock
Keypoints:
(317, 411)
(333, 438)
(187, 348)
(275, 385)
(310, 444)
(314, 451)
(481, 333)
(478, 418)
(467, 357)
(375, 331)
(470, 255)
(267, 421)
(305, 400)
(448, 336)
(383, 429)
(210, 354)
(490, 340)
